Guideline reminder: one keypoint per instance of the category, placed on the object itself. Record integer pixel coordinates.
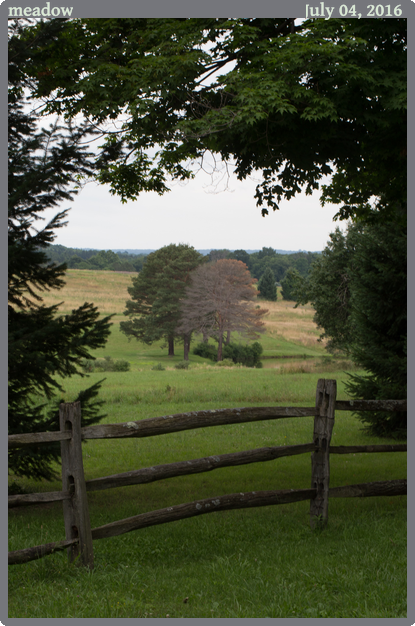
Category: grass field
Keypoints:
(251, 563)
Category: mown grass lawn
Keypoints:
(250, 563)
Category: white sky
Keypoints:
(195, 214)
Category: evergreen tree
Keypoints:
(43, 167)
(327, 287)
(266, 286)
(290, 283)
(358, 289)
(156, 292)
(378, 304)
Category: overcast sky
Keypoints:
(196, 214)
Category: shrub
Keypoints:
(225, 363)
(15, 489)
(182, 365)
(101, 365)
(105, 365)
(121, 366)
(250, 356)
(158, 368)
(206, 351)
(88, 366)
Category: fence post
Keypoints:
(320, 461)
(75, 510)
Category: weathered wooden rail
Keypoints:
(79, 535)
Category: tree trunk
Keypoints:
(186, 342)
(228, 337)
(205, 337)
(220, 341)
(171, 347)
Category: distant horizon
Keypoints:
(138, 251)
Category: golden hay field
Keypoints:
(294, 324)
(106, 289)
(109, 292)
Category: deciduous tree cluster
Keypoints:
(156, 292)
(179, 293)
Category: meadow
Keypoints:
(249, 563)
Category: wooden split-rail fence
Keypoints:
(79, 535)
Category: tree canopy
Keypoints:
(219, 300)
(292, 101)
(156, 292)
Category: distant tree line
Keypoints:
(278, 263)
(78, 259)
(258, 262)
(266, 261)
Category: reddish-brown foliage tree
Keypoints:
(219, 299)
